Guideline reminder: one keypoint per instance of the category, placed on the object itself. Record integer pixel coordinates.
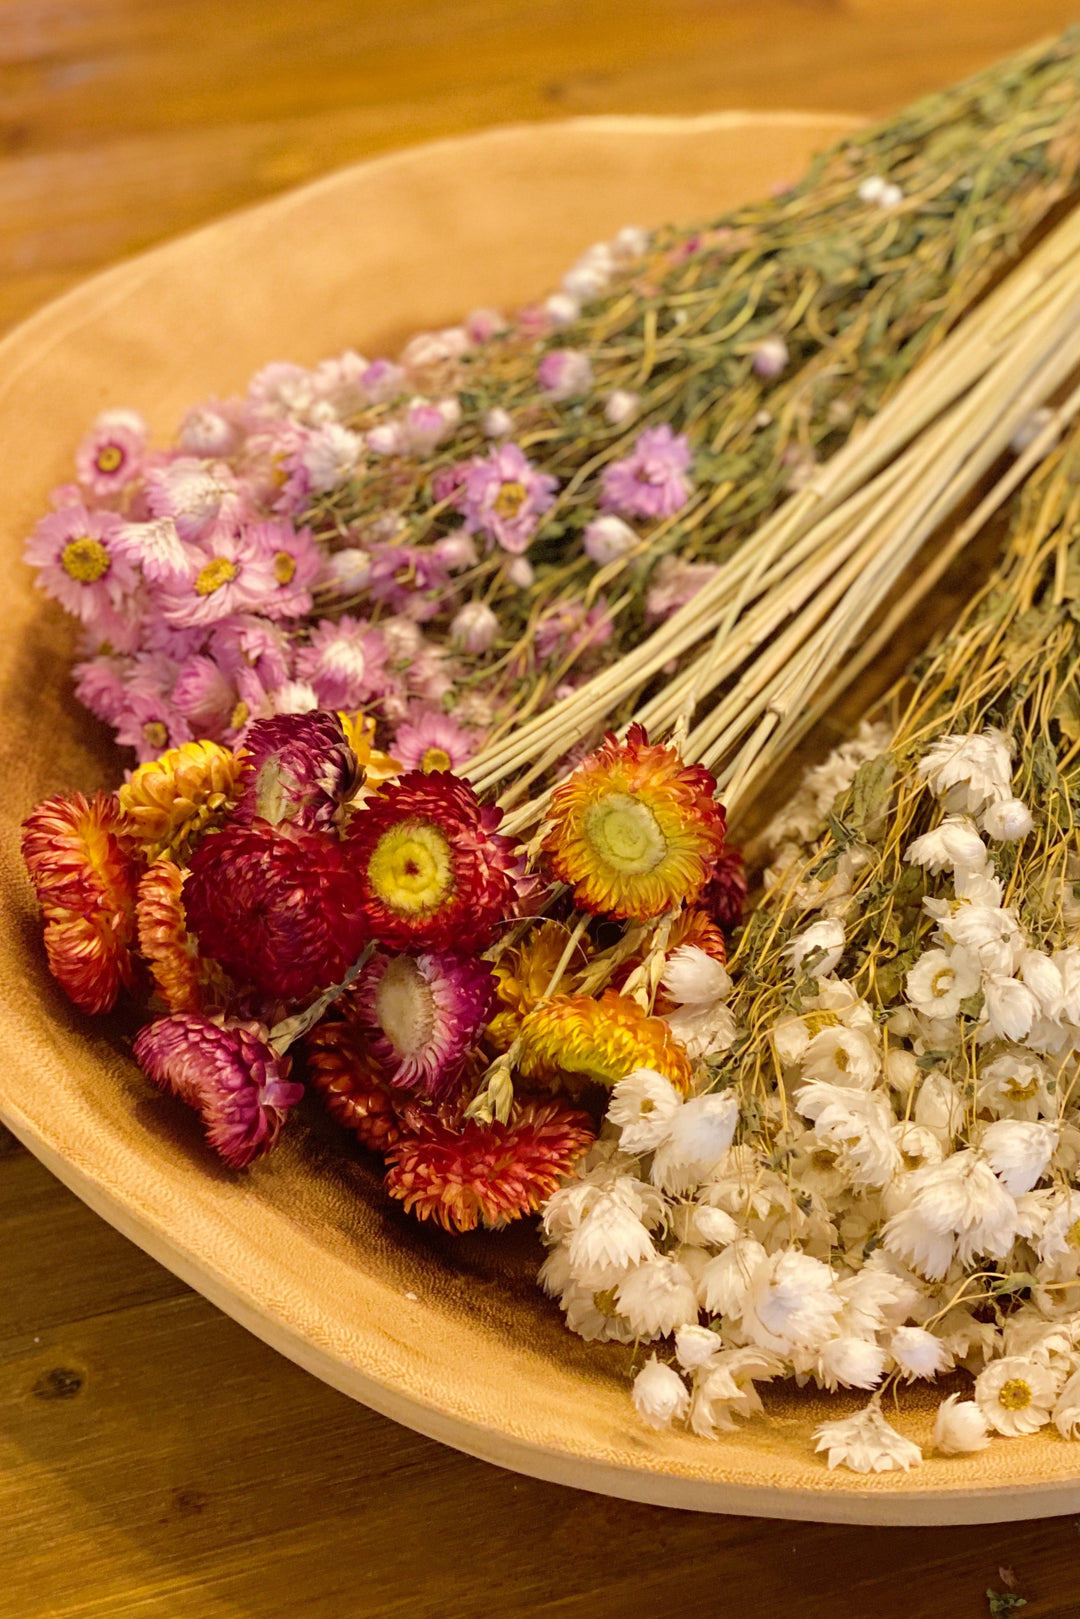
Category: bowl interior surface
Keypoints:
(448, 1335)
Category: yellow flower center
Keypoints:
(284, 567)
(605, 1303)
(507, 502)
(411, 869)
(156, 734)
(85, 560)
(942, 981)
(1015, 1394)
(405, 1006)
(625, 834)
(1072, 1236)
(217, 573)
(1019, 1092)
(109, 458)
(435, 759)
(239, 715)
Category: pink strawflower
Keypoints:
(227, 573)
(80, 562)
(674, 583)
(428, 422)
(298, 768)
(564, 373)
(100, 686)
(345, 572)
(455, 551)
(344, 661)
(111, 455)
(569, 628)
(219, 705)
(295, 697)
(431, 674)
(155, 547)
(431, 740)
(474, 628)
(409, 580)
(212, 429)
(150, 723)
(504, 497)
(228, 1073)
(448, 480)
(608, 538)
(249, 641)
(194, 493)
(388, 438)
(310, 461)
(651, 481)
(421, 1016)
(484, 324)
(295, 562)
(339, 385)
(383, 381)
(280, 390)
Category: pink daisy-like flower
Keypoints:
(249, 641)
(111, 454)
(211, 429)
(426, 423)
(80, 563)
(651, 481)
(344, 662)
(226, 574)
(570, 628)
(219, 704)
(295, 562)
(504, 497)
(150, 723)
(383, 380)
(194, 493)
(409, 580)
(431, 740)
(228, 1073)
(563, 373)
(155, 547)
(100, 685)
(422, 1015)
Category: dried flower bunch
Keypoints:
(880, 1183)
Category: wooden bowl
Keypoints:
(448, 1335)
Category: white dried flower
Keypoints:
(660, 1396)
(956, 1210)
(1019, 1152)
(902, 1070)
(770, 357)
(959, 1427)
(940, 980)
(1007, 820)
(792, 1302)
(725, 1389)
(642, 1108)
(850, 1362)
(871, 188)
(709, 1226)
(1066, 1413)
(725, 1281)
(859, 1126)
(519, 571)
(939, 1107)
(474, 628)
(1060, 1237)
(1009, 1007)
(1016, 1395)
(657, 1296)
(919, 1353)
(842, 1056)
(699, 1135)
(607, 538)
(631, 242)
(592, 1315)
(703, 1029)
(953, 845)
(696, 1345)
(1014, 1085)
(609, 1239)
(820, 946)
(693, 978)
(562, 309)
(968, 771)
(866, 1444)
(621, 406)
(497, 423)
(294, 697)
(584, 282)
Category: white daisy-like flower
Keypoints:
(608, 1241)
(1008, 820)
(919, 1145)
(554, 1273)
(696, 1345)
(959, 1427)
(660, 1396)
(693, 978)
(792, 1302)
(1060, 1238)
(790, 1038)
(940, 980)
(698, 1137)
(155, 546)
(1010, 1008)
(724, 1389)
(991, 934)
(1066, 1414)
(819, 946)
(970, 770)
(642, 1108)
(1067, 963)
(657, 1296)
(591, 1313)
(1014, 1086)
(850, 1362)
(956, 1210)
(954, 845)
(1019, 1151)
(1016, 1395)
(725, 1281)
(919, 1353)
(859, 1126)
(706, 1226)
(842, 1056)
(703, 1028)
(866, 1444)
(882, 1294)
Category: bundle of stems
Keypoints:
(781, 616)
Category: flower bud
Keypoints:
(561, 309)
(562, 373)
(621, 406)
(484, 324)
(520, 572)
(455, 551)
(497, 423)
(1008, 820)
(608, 538)
(770, 357)
(474, 628)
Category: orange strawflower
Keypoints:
(573, 1039)
(522, 976)
(171, 801)
(350, 1082)
(487, 1174)
(634, 830)
(186, 981)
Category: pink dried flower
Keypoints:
(770, 357)
(294, 563)
(426, 424)
(621, 407)
(431, 740)
(209, 430)
(455, 551)
(651, 481)
(155, 547)
(383, 381)
(504, 497)
(484, 324)
(100, 687)
(80, 562)
(194, 493)
(228, 573)
(388, 438)
(298, 768)
(674, 583)
(497, 423)
(150, 723)
(228, 1073)
(447, 481)
(251, 642)
(345, 662)
(421, 1016)
(345, 572)
(281, 389)
(110, 456)
(564, 373)
(339, 383)
(569, 628)
(408, 580)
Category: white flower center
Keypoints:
(404, 1006)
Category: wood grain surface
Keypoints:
(155, 1460)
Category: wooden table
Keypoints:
(156, 1462)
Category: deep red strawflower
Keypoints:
(351, 1083)
(725, 893)
(421, 1016)
(228, 1073)
(434, 872)
(278, 906)
(487, 1174)
(298, 768)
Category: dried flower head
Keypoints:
(298, 768)
(353, 1085)
(573, 1039)
(169, 802)
(420, 1016)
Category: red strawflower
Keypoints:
(487, 1174)
(421, 1016)
(725, 893)
(434, 872)
(298, 768)
(228, 1073)
(351, 1083)
(278, 906)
